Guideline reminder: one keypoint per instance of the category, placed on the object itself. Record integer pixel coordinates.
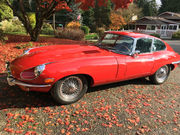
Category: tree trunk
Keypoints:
(34, 34)
(34, 37)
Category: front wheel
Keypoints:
(161, 75)
(69, 89)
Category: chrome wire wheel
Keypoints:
(162, 74)
(70, 88)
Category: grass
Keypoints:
(91, 36)
(25, 34)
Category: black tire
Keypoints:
(161, 75)
(69, 89)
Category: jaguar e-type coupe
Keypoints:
(67, 71)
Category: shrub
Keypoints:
(2, 36)
(12, 26)
(91, 36)
(155, 35)
(47, 29)
(100, 31)
(85, 29)
(73, 25)
(68, 33)
(176, 35)
(23, 46)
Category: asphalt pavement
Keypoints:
(175, 44)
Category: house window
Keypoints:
(172, 27)
(151, 27)
(175, 27)
(164, 27)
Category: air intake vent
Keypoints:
(91, 51)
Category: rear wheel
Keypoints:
(69, 89)
(161, 75)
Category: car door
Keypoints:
(141, 64)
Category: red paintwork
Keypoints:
(101, 65)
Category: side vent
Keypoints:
(91, 51)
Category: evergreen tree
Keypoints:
(88, 19)
(149, 7)
(170, 5)
(102, 14)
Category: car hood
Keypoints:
(57, 53)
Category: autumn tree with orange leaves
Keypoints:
(117, 21)
(45, 8)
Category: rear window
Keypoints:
(144, 45)
(158, 45)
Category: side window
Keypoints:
(124, 44)
(144, 45)
(109, 39)
(158, 45)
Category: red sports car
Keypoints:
(68, 70)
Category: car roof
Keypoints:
(131, 34)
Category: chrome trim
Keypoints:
(12, 81)
(177, 62)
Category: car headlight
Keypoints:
(39, 69)
(32, 73)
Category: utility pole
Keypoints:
(54, 21)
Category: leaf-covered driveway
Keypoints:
(131, 107)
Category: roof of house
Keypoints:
(155, 20)
(170, 15)
(131, 34)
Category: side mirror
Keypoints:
(136, 53)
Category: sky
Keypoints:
(158, 2)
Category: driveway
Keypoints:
(133, 107)
(175, 44)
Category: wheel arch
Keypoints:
(89, 78)
(171, 66)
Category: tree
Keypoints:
(117, 21)
(149, 7)
(64, 16)
(102, 14)
(5, 11)
(88, 19)
(45, 8)
(170, 5)
(129, 13)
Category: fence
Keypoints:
(165, 34)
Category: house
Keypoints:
(165, 24)
(154, 23)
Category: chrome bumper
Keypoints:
(12, 81)
(177, 62)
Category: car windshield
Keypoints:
(116, 43)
